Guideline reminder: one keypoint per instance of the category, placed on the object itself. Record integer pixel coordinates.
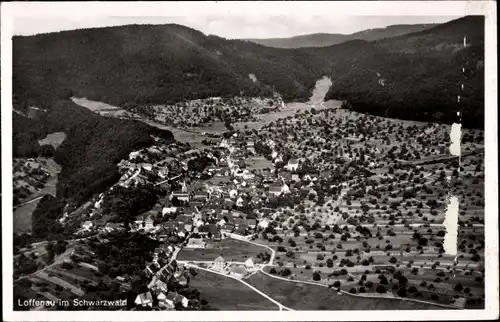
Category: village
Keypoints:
(325, 197)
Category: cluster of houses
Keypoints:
(101, 225)
(163, 271)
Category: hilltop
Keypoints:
(330, 39)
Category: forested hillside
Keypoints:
(419, 76)
(91, 150)
(413, 76)
(149, 64)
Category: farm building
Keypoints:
(219, 263)
(144, 299)
(238, 271)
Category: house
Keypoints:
(238, 271)
(169, 226)
(87, 225)
(217, 236)
(268, 177)
(278, 190)
(228, 203)
(292, 165)
(264, 223)
(196, 243)
(208, 230)
(168, 300)
(295, 177)
(112, 226)
(162, 299)
(163, 173)
(182, 280)
(182, 300)
(148, 224)
(240, 222)
(233, 193)
(239, 202)
(252, 223)
(241, 230)
(201, 196)
(151, 268)
(219, 264)
(249, 264)
(228, 228)
(182, 221)
(310, 177)
(168, 210)
(158, 252)
(182, 196)
(286, 176)
(120, 278)
(144, 299)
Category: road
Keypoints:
(32, 200)
(323, 285)
(156, 184)
(273, 252)
(59, 260)
(281, 306)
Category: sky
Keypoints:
(229, 25)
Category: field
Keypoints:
(32, 179)
(258, 163)
(223, 293)
(299, 296)
(191, 137)
(230, 249)
(22, 217)
(55, 139)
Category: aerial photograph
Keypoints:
(248, 163)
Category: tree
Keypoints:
(329, 262)
(316, 276)
(412, 289)
(402, 291)
(422, 241)
(103, 268)
(393, 260)
(286, 272)
(381, 289)
(458, 288)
